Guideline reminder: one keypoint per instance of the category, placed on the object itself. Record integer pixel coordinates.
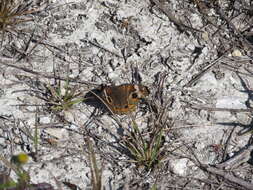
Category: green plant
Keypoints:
(154, 187)
(23, 177)
(35, 136)
(17, 161)
(145, 152)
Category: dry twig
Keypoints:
(181, 26)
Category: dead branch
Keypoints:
(44, 75)
(230, 177)
(181, 26)
(241, 157)
(206, 69)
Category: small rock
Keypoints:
(179, 167)
(236, 53)
(60, 134)
(205, 36)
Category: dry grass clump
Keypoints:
(13, 13)
(147, 146)
(62, 98)
(58, 96)
(145, 152)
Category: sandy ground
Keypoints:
(201, 76)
